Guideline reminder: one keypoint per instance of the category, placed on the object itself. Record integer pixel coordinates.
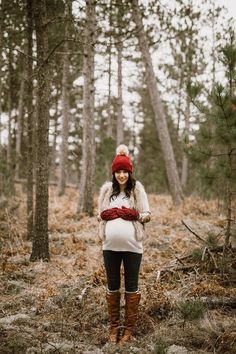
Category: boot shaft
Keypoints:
(113, 304)
(132, 301)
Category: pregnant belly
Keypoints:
(119, 229)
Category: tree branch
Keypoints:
(26, 55)
(193, 232)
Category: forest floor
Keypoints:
(188, 288)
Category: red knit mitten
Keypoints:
(109, 214)
(128, 214)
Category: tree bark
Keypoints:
(55, 133)
(40, 241)
(213, 51)
(19, 126)
(85, 204)
(30, 123)
(160, 117)
(229, 206)
(119, 46)
(184, 174)
(65, 107)
(120, 125)
(109, 118)
(229, 192)
(9, 145)
(1, 64)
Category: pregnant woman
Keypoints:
(123, 209)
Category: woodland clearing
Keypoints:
(60, 307)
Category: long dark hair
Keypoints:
(116, 187)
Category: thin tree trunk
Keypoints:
(9, 162)
(11, 187)
(1, 64)
(184, 174)
(229, 205)
(30, 123)
(109, 120)
(229, 192)
(53, 154)
(40, 241)
(120, 125)
(213, 45)
(160, 117)
(85, 204)
(9, 146)
(65, 108)
(19, 126)
(180, 87)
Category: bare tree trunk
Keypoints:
(229, 191)
(65, 107)
(40, 241)
(53, 153)
(1, 64)
(9, 131)
(213, 26)
(19, 126)
(184, 174)
(179, 110)
(10, 163)
(109, 120)
(30, 123)
(9, 146)
(160, 117)
(229, 206)
(85, 204)
(120, 125)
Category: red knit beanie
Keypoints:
(122, 160)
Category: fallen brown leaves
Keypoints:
(67, 295)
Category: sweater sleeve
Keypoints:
(144, 213)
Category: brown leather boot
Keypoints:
(131, 312)
(113, 302)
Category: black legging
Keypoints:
(131, 261)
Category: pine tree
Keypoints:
(158, 108)
(65, 106)
(40, 249)
(215, 147)
(30, 123)
(85, 204)
(152, 170)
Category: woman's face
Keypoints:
(122, 177)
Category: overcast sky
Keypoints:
(130, 67)
(230, 5)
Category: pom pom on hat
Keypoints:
(122, 160)
(122, 150)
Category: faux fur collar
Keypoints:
(136, 197)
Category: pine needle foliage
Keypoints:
(214, 151)
(191, 309)
(160, 347)
(196, 254)
(211, 240)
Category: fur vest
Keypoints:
(138, 200)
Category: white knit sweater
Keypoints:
(132, 241)
(120, 233)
